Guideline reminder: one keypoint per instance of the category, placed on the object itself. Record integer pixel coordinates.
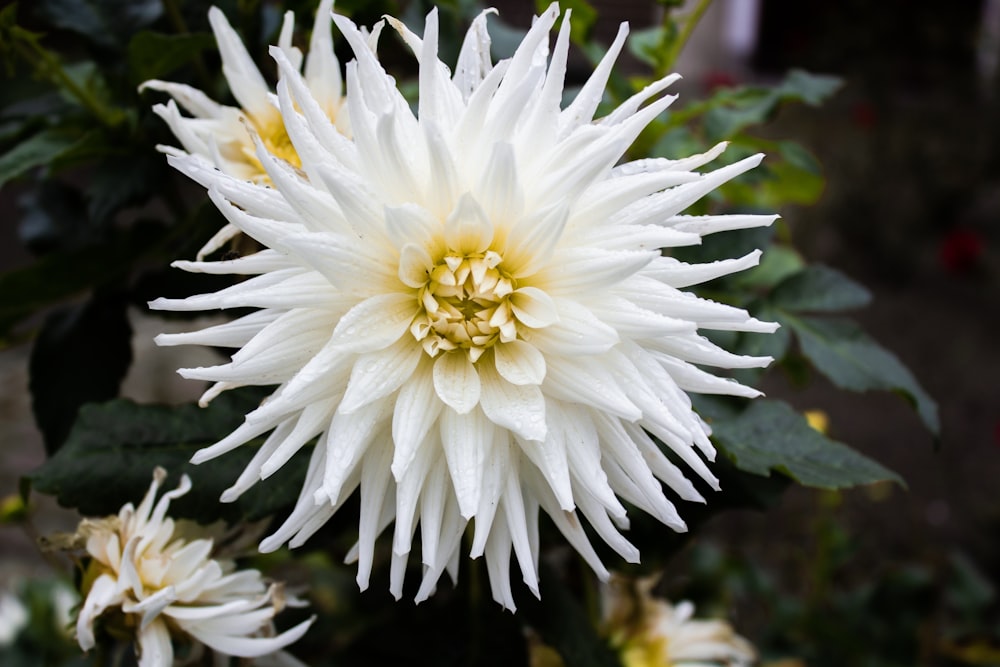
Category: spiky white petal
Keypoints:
(467, 309)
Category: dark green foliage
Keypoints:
(153, 55)
(110, 455)
(103, 216)
(801, 299)
(80, 356)
(769, 435)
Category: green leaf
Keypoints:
(776, 264)
(774, 345)
(813, 89)
(775, 184)
(736, 243)
(582, 20)
(647, 45)
(37, 150)
(106, 23)
(840, 350)
(53, 218)
(820, 288)
(80, 356)
(121, 181)
(109, 458)
(730, 111)
(54, 147)
(61, 275)
(770, 435)
(798, 156)
(754, 107)
(88, 87)
(153, 55)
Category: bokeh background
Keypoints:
(910, 149)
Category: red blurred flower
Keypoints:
(864, 115)
(960, 250)
(715, 79)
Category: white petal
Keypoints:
(154, 647)
(417, 408)
(415, 265)
(456, 381)
(379, 373)
(519, 362)
(377, 322)
(242, 75)
(468, 230)
(520, 409)
(533, 307)
(250, 647)
(103, 594)
(466, 438)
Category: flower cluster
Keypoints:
(152, 584)
(465, 307)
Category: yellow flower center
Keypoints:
(274, 136)
(276, 140)
(465, 304)
(648, 651)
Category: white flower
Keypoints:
(650, 632)
(13, 618)
(467, 309)
(222, 133)
(168, 587)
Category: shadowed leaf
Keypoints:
(770, 435)
(113, 448)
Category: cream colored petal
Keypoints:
(154, 647)
(456, 381)
(533, 307)
(468, 229)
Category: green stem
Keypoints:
(685, 34)
(49, 66)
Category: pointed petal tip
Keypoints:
(269, 544)
(200, 457)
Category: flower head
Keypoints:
(222, 134)
(467, 308)
(153, 583)
(651, 632)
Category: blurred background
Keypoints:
(910, 207)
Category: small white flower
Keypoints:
(64, 602)
(13, 618)
(651, 632)
(170, 588)
(222, 133)
(468, 311)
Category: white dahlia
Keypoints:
(466, 308)
(651, 632)
(222, 134)
(145, 579)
